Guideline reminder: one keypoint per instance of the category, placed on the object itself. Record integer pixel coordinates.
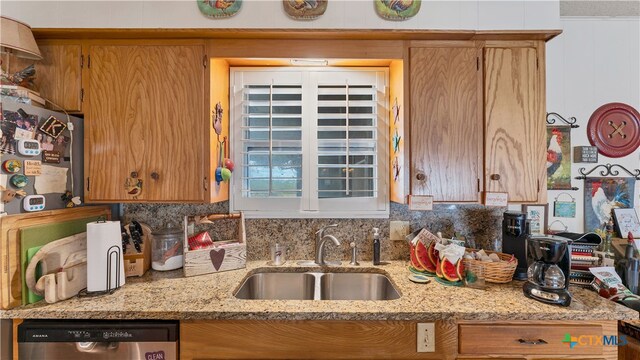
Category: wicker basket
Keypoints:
(495, 272)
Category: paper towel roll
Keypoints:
(104, 245)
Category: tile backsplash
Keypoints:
(480, 225)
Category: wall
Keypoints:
(359, 14)
(593, 62)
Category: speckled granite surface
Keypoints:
(170, 296)
(481, 226)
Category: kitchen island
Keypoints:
(469, 323)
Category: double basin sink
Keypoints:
(317, 286)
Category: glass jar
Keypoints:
(167, 249)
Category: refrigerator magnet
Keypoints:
(19, 181)
(11, 166)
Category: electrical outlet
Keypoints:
(398, 230)
(426, 337)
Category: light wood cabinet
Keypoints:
(477, 121)
(446, 123)
(515, 136)
(146, 121)
(254, 339)
(58, 74)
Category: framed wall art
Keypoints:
(538, 216)
(602, 195)
(626, 221)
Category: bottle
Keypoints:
(376, 246)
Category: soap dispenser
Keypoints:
(376, 246)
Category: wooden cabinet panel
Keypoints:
(146, 115)
(249, 339)
(446, 127)
(525, 340)
(175, 148)
(116, 126)
(58, 74)
(514, 123)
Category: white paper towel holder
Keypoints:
(111, 252)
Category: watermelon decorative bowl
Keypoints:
(495, 272)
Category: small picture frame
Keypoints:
(626, 221)
(538, 216)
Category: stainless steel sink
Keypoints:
(278, 286)
(356, 286)
(317, 286)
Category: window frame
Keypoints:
(308, 205)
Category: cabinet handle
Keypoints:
(155, 176)
(532, 342)
(494, 177)
(134, 174)
(204, 183)
(420, 176)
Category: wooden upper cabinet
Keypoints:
(514, 123)
(58, 74)
(147, 121)
(446, 123)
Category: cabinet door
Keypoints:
(116, 126)
(146, 117)
(446, 127)
(515, 125)
(58, 74)
(177, 123)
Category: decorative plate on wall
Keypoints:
(304, 9)
(614, 129)
(397, 9)
(219, 8)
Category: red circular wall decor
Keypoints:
(614, 128)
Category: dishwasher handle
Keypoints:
(96, 347)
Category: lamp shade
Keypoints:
(18, 38)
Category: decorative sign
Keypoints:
(32, 167)
(304, 9)
(558, 159)
(51, 157)
(496, 199)
(585, 154)
(53, 127)
(397, 9)
(626, 221)
(418, 202)
(219, 8)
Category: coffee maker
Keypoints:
(515, 229)
(549, 260)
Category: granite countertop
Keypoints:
(169, 295)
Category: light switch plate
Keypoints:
(426, 337)
(398, 230)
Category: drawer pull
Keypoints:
(532, 342)
(494, 177)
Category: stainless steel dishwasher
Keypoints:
(100, 339)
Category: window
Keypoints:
(310, 142)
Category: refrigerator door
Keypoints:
(10, 110)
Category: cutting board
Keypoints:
(10, 276)
(35, 236)
(31, 297)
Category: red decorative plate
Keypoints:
(614, 129)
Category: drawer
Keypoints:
(513, 339)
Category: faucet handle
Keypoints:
(324, 228)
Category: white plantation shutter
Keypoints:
(351, 159)
(309, 141)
